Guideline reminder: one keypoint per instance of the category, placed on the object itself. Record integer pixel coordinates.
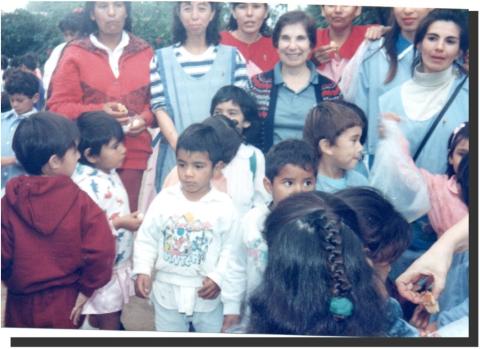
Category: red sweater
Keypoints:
(53, 235)
(83, 81)
(261, 52)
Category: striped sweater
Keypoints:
(266, 94)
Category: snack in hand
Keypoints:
(429, 302)
(119, 107)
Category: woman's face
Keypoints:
(293, 45)
(440, 46)
(110, 16)
(340, 17)
(408, 18)
(250, 16)
(195, 17)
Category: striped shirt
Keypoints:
(195, 66)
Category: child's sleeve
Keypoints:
(261, 196)
(98, 247)
(235, 282)
(8, 243)
(394, 173)
(148, 239)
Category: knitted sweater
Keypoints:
(83, 81)
(266, 93)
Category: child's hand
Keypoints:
(420, 317)
(229, 321)
(118, 111)
(209, 290)
(131, 221)
(323, 54)
(77, 309)
(143, 285)
(375, 32)
(387, 117)
(137, 125)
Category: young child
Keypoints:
(291, 167)
(57, 247)
(186, 237)
(337, 43)
(317, 280)
(22, 90)
(101, 152)
(335, 130)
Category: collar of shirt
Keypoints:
(12, 113)
(278, 78)
(115, 54)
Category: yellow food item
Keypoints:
(430, 303)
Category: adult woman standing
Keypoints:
(386, 64)
(249, 33)
(185, 76)
(286, 94)
(99, 72)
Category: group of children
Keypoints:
(288, 242)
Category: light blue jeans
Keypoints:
(172, 321)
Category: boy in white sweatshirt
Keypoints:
(290, 167)
(186, 236)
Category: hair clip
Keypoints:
(341, 307)
(454, 133)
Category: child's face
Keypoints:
(21, 103)
(68, 162)
(111, 156)
(347, 150)
(340, 17)
(195, 170)
(232, 111)
(290, 180)
(460, 150)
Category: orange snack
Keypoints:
(430, 303)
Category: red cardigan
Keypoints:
(83, 81)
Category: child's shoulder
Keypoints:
(8, 114)
(355, 178)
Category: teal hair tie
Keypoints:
(341, 306)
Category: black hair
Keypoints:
(201, 138)
(29, 60)
(294, 17)
(21, 82)
(233, 25)
(383, 230)
(213, 31)
(4, 62)
(228, 135)
(294, 152)
(446, 15)
(41, 136)
(5, 102)
(458, 135)
(462, 178)
(238, 96)
(313, 256)
(73, 21)
(390, 45)
(90, 26)
(97, 129)
(329, 119)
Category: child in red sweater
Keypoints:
(57, 247)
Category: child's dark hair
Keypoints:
(29, 60)
(462, 178)
(294, 152)
(201, 138)
(383, 230)
(314, 261)
(4, 62)
(96, 128)
(245, 101)
(458, 135)
(21, 82)
(295, 17)
(41, 136)
(90, 26)
(228, 135)
(447, 15)
(329, 119)
(233, 25)
(73, 21)
(212, 35)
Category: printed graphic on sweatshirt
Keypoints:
(186, 240)
(257, 253)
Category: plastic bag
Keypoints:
(394, 173)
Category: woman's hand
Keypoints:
(136, 126)
(117, 111)
(324, 53)
(375, 32)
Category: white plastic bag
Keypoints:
(394, 173)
